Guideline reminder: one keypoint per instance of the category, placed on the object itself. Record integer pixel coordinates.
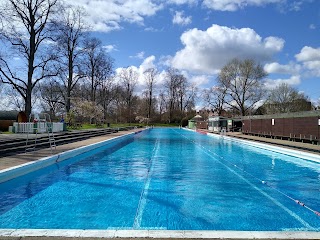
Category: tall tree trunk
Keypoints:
(70, 80)
(28, 105)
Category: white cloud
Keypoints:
(308, 54)
(272, 83)
(180, 2)
(207, 51)
(165, 61)
(139, 55)
(275, 67)
(179, 19)
(110, 48)
(233, 5)
(108, 15)
(147, 63)
(199, 80)
(151, 29)
(312, 26)
(296, 5)
(310, 58)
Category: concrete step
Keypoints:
(14, 146)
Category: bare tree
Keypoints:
(161, 103)
(52, 98)
(128, 78)
(215, 98)
(243, 81)
(284, 98)
(107, 94)
(71, 33)
(26, 32)
(181, 89)
(98, 65)
(172, 81)
(150, 77)
(186, 94)
(11, 100)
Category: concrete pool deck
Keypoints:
(306, 147)
(59, 234)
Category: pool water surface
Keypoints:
(168, 179)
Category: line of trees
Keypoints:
(240, 90)
(117, 97)
(47, 53)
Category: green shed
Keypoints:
(192, 121)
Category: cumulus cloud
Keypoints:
(207, 51)
(310, 58)
(272, 83)
(165, 61)
(148, 62)
(233, 5)
(275, 67)
(110, 48)
(308, 54)
(108, 15)
(180, 19)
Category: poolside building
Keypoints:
(295, 126)
(197, 122)
(220, 123)
(7, 118)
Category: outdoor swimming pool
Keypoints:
(168, 179)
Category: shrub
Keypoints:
(184, 122)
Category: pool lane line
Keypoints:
(145, 190)
(267, 184)
(291, 213)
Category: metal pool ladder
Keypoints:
(40, 123)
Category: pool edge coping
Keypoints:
(159, 234)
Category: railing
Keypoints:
(39, 127)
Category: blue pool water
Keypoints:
(167, 179)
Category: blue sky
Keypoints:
(199, 37)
